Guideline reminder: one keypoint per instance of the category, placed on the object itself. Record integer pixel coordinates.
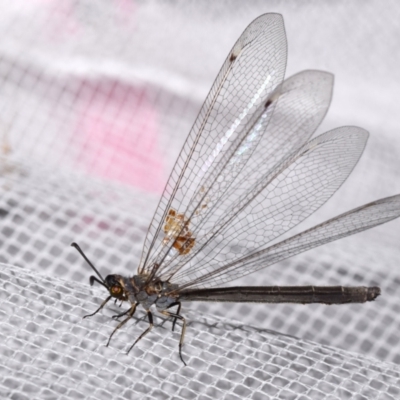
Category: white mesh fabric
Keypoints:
(96, 101)
(48, 351)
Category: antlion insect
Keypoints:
(248, 172)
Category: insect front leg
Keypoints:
(101, 306)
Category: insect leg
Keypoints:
(101, 306)
(116, 316)
(177, 316)
(131, 312)
(150, 316)
(177, 303)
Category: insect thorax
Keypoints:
(156, 292)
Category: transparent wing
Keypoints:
(354, 221)
(253, 70)
(301, 103)
(275, 203)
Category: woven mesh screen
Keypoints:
(96, 100)
(49, 352)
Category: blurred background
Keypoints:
(97, 99)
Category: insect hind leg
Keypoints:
(177, 316)
(179, 304)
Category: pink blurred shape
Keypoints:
(68, 20)
(119, 135)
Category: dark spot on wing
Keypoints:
(233, 57)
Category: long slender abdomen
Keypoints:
(284, 294)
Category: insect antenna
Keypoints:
(92, 278)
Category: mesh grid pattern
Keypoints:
(67, 71)
(58, 355)
(37, 308)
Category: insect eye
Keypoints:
(116, 290)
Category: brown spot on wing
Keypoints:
(176, 228)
